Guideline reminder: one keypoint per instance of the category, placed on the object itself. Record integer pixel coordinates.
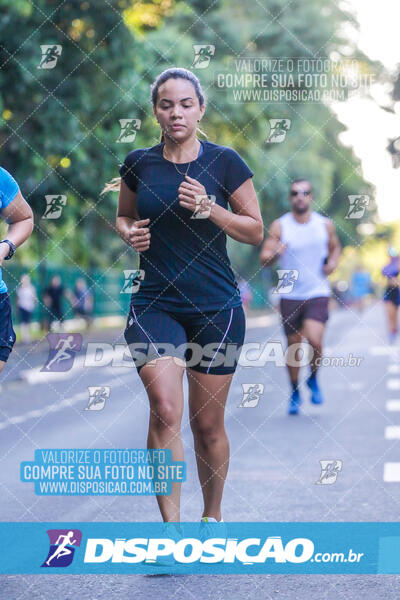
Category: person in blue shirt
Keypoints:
(18, 214)
(186, 309)
(360, 287)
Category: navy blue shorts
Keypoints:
(208, 342)
(392, 294)
(7, 333)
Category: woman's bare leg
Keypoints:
(391, 314)
(163, 383)
(207, 399)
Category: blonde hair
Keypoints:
(112, 186)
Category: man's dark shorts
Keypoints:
(7, 333)
(294, 312)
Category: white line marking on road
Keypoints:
(394, 369)
(391, 351)
(56, 406)
(392, 432)
(379, 350)
(263, 321)
(357, 385)
(391, 472)
(83, 361)
(393, 405)
(393, 384)
(46, 409)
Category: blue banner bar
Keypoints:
(43, 548)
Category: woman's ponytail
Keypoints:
(112, 186)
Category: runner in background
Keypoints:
(308, 249)
(19, 216)
(81, 299)
(391, 295)
(53, 298)
(360, 287)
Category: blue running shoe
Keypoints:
(295, 401)
(316, 396)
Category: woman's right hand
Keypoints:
(138, 235)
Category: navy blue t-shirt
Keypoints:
(186, 267)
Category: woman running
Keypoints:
(188, 293)
(391, 295)
(18, 214)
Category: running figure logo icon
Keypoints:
(132, 281)
(63, 347)
(129, 127)
(50, 54)
(62, 547)
(97, 397)
(357, 207)
(330, 469)
(202, 55)
(251, 394)
(54, 206)
(278, 130)
(287, 279)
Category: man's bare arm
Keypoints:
(335, 249)
(272, 247)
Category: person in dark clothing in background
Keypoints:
(81, 299)
(52, 298)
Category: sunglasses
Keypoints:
(304, 192)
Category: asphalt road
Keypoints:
(273, 469)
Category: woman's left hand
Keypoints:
(187, 192)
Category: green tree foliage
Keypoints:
(60, 126)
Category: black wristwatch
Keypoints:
(12, 249)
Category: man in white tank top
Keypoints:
(308, 249)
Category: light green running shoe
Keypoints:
(211, 528)
(174, 531)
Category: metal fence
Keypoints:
(106, 289)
